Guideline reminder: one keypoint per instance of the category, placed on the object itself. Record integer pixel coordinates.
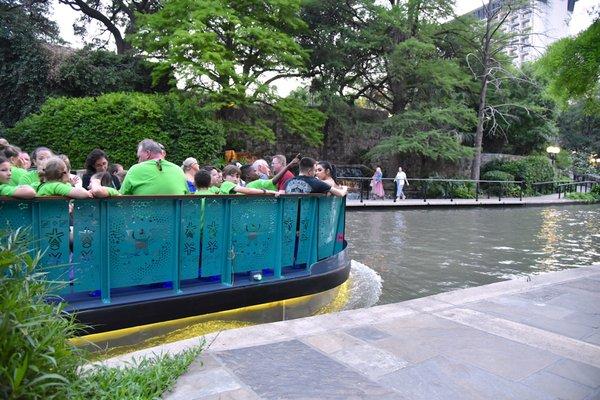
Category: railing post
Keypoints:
(521, 190)
(500, 191)
(362, 184)
(424, 190)
(451, 185)
(477, 190)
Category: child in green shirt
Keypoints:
(22, 192)
(101, 185)
(55, 181)
(231, 180)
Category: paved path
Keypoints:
(505, 201)
(529, 338)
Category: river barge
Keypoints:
(136, 260)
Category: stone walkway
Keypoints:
(530, 338)
(483, 201)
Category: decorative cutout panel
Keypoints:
(87, 246)
(328, 220)
(214, 250)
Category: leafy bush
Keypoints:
(36, 360)
(497, 188)
(497, 176)
(117, 122)
(465, 190)
(587, 197)
(531, 169)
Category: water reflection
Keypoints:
(423, 252)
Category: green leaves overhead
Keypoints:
(230, 49)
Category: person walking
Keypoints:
(400, 180)
(377, 184)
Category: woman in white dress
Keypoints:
(400, 180)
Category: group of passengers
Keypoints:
(48, 174)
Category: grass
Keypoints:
(37, 361)
(145, 379)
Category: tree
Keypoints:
(572, 68)
(229, 51)
(25, 61)
(579, 131)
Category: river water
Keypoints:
(428, 251)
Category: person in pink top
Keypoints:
(278, 163)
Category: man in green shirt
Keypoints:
(153, 174)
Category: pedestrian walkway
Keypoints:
(482, 202)
(531, 338)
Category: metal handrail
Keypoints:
(587, 185)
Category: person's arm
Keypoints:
(24, 192)
(280, 174)
(247, 190)
(406, 180)
(340, 192)
(79, 193)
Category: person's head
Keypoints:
(215, 175)
(24, 161)
(54, 169)
(39, 155)
(231, 173)
(5, 172)
(248, 173)
(307, 166)
(190, 165)
(399, 169)
(202, 179)
(3, 142)
(261, 167)
(148, 149)
(115, 169)
(101, 179)
(96, 161)
(11, 153)
(278, 163)
(378, 169)
(66, 161)
(325, 170)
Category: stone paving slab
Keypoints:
(465, 344)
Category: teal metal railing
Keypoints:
(131, 241)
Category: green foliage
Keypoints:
(497, 188)
(147, 379)
(586, 197)
(25, 60)
(572, 67)
(578, 130)
(36, 360)
(88, 72)
(563, 160)
(117, 122)
(301, 120)
(464, 190)
(497, 176)
(530, 169)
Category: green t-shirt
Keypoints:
(54, 189)
(16, 175)
(266, 184)
(227, 188)
(204, 192)
(31, 178)
(146, 178)
(7, 189)
(112, 192)
(214, 190)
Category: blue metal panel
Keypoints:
(328, 221)
(214, 250)
(15, 214)
(341, 228)
(308, 207)
(87, 246)
(54, 240)
(253, 228)
(289, 223)
(189, 248)
(140, 244)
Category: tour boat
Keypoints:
(134, 260)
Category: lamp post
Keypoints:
(552, 152)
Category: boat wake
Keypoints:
(365, 286)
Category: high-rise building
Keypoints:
(538, 24)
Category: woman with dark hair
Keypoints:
(97, 161)
(326, 172)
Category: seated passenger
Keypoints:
(215, 178)
(307, 183)
(278, 163)
(6, 189)
(262, 169)
(97, 161)
(190, 167)
(117, 171)
(202, 181)
(73, 179)
(231, 179)
(11, 153)
(55, 181)
(24, 161)
(253, 181)
(326, 172)
(153, 175)
(101, 185)
(32, 177)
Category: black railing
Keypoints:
(579, 186)
(434, 188)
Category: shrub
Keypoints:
(117, 122)
(464, 190)
(36, 360)
(531, 169)
(498, 188)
